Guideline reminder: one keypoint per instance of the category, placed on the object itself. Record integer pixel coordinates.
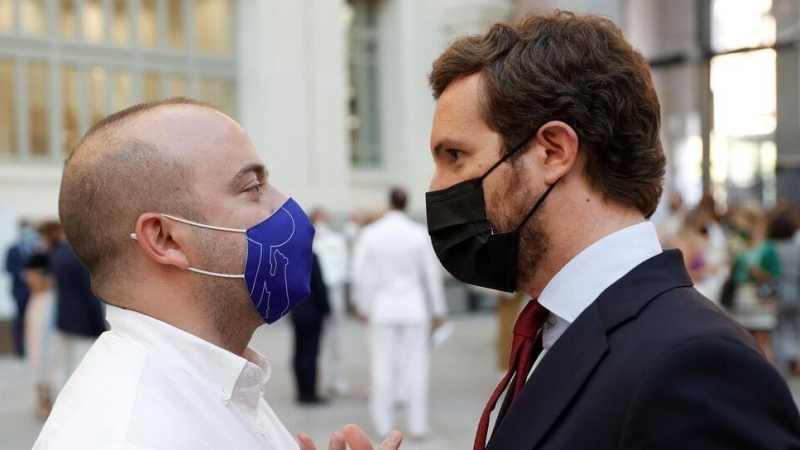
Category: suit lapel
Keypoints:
(565, 367)
(570, 362)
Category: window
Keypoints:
(219, 93)
(176, 30)
(743, 152)
(68, 19)
(364, 91)
(69, 92)
(93, 21)
(152, 87)
(6, 16)
(213, 30)
(148, 29)
(33, 16)
(101, 56)
(37, 108)
(177, 86)
(8, 122)
(97, 93)
(123, 90)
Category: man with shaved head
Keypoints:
(168, 206)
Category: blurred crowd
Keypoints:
(57, 315)
(747, 260)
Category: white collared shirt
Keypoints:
(148, 385)
(397, 278)
(578, 284)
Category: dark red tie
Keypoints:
(527, 326)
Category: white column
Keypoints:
(291, 95)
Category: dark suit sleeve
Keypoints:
(711, 393)
(94, 309)
(14, 262)
(318, 287)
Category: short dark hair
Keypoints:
(398, 198)
(578, 69)
(104, 193)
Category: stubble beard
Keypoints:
(226, 300)
(514, 203)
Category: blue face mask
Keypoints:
(278, 264)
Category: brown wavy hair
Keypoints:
(578, 69)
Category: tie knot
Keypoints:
(530, 320)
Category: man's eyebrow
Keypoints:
(447, 143)
(255, 168)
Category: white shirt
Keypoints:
(148, 385)
(397, 278)
(578, 284)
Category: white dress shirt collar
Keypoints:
(199, 358)
(591, 272)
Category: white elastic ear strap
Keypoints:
(210, 227)
(215, 274)
(202, 225)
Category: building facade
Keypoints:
(334, 92)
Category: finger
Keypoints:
(305, 442)
(356, 438)
(337, 442)
(392, 441)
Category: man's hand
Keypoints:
(353, 437)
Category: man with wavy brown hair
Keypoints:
(548, 167)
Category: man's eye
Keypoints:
(454, 154)
(256, 188)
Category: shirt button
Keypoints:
(224, 394)
(551, 320)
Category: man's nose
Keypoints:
(438, 181)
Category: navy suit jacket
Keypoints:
(16, 260)
(652, 364)
(78, 311)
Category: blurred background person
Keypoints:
(331, 249)
(755, 267)
(717, 258)
(39, 329)
(79, 315)
(786, 336)
(307, 318)
(670, 225)
(16, 259)
(399, 291)
(692, 240)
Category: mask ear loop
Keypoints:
(513, 151)
(537, 205)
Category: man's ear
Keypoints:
(159, 238)
(561, 145)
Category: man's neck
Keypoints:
(571, 237)
(230, 332)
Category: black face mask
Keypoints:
(463, 238)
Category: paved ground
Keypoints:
(462, 379)
(463, 376)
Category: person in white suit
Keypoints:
(398, 290)
(331, 248)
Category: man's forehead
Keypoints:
(459, 108)
(199, 135)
